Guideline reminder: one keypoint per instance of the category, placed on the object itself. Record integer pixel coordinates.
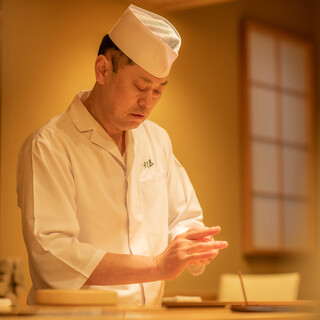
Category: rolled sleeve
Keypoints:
(47, 197)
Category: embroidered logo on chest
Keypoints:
(148, 164)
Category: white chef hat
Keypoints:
(148, 39)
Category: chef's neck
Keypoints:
(120, 141)
(118, 136)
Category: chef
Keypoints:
(105, 204)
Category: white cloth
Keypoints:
(148, 39)
(79, 200)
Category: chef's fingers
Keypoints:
(201, 246)
(197, 234)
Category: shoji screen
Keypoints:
(278, 141)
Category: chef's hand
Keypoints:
(208, 239)
(195, 246)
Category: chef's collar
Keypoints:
(79, 114)
(87, 124)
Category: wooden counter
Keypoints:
(204, 312)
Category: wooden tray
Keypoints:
(76, 297)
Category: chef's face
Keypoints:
(129, 95)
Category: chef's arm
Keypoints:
(186, 249)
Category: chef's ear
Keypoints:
(103, 67)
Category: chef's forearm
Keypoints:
(117, 269)
(191, 247)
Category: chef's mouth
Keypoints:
(138, 115)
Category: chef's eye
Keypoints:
(140, 88)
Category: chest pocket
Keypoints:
(154, 199)
(154, 205)
(150, 174)
(153, 186)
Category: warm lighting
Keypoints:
(175, 5)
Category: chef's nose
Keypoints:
(145, 100)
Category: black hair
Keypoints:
(118, 58)
(106, 44)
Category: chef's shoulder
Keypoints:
(52, 136)
(154, 133)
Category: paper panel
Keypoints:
(295, 225)
(295, 171)
(261, 52)
(265, 167)
(265, 223)
(294, 119)
(263, 112)
(294, 57)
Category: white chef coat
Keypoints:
(80, 199)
